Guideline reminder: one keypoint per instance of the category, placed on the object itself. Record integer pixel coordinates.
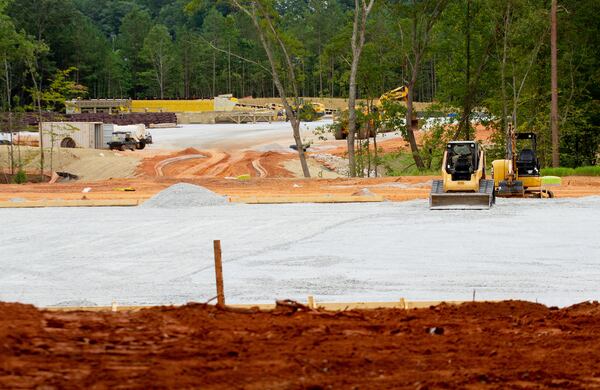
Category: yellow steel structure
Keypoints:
(201, 105)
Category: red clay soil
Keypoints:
(511, 344)
(218, 164)
(392, 188)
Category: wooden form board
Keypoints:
(306, 199)
(329, 306)
(71, 203)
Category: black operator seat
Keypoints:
(527, 162)
(463, 163)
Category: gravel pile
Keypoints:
(184, 195)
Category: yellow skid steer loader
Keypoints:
(463, 185)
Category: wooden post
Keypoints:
(219, 273)
(403, 303)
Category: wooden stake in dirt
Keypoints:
(219, 273)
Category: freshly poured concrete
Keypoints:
(544, 250)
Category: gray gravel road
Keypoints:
(521, 249)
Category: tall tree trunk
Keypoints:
(214, 75)
(293, 116)
(472, 90)
(332, 76)
(504, 121)
(554, 87)
(38, 100)
(420, 40)
(11, 150)
(320, 66)
(409, 122)
(410, 129)
(465, 124)
(361, 12)
(229, 66)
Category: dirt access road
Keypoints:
(213, 155)
(230, 150)
(392, 188)
(476, 345)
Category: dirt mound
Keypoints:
(585, 308)
(472, 345)
(184, 195)
(87, 164)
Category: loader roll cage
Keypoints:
(462, 159)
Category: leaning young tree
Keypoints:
(423, 16)
(264, 17)
(361, 13)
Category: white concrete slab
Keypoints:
(226, 136)
(547, 251)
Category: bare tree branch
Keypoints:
(236, 55)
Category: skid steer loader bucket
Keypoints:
(460, 201)
(482, 200)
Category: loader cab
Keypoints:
(462, 159)
(527, 161)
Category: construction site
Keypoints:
(325, 282)
(299, 194)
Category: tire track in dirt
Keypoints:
(158, 168)
(262, 172)
(214, 163)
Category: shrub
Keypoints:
(20, 177)
(307, 113)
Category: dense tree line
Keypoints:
(492, 54)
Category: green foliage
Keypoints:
(158, 51)
(587, 171)
(403, 164)
(558, 172)
(579, 171)
(199, 48)
(20, 177)
(61, 88)
(393, 117)
(307, 113)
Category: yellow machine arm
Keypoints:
(397, 94)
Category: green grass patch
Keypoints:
(580, 171)
(560, 172)
(403, 164)
(587, 171)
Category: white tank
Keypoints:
(138, 132)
